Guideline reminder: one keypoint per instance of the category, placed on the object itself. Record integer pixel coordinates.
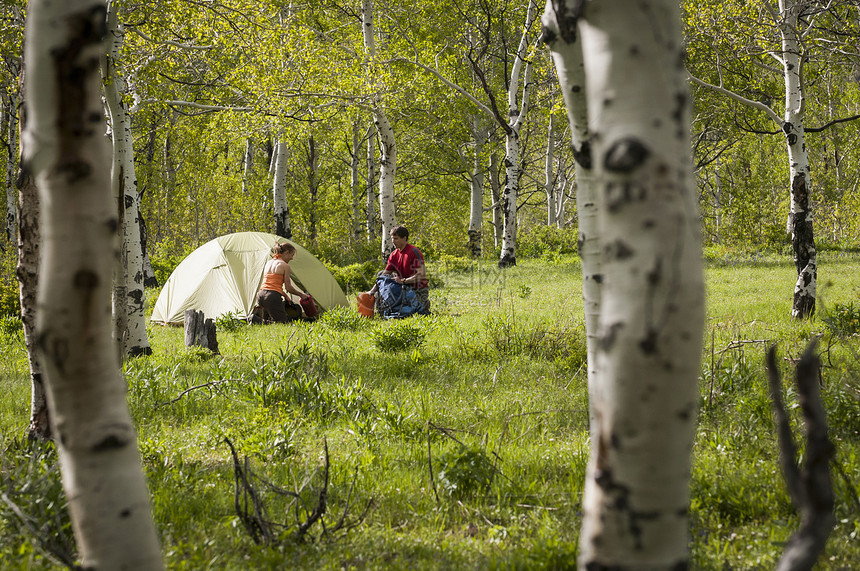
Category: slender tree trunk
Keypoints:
(370, 207)
(387, 172)
(388, 146)
(496, 191)
(636, 500)
(65, 149)
(247, 164)
(313, 187)
(517, 114)
(355, 182)
(565, 43)
(27, 272)
(10, 126)
(476, 202)
(800, 214)
(549, 174)
(131, 295)
(279, 192)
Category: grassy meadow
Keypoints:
(456, 441)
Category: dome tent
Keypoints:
(224, 275)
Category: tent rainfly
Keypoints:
(223, 276)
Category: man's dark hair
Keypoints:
(400, 232)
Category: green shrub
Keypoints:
(230, 322)
(398, 335)
(11, 325)
(465, 472)
(342, 319)
(842, 319)
(355, 277)
(541, 241)
(564, 344)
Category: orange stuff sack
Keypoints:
(365, 304)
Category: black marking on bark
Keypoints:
(567, 14)
(648, 224)
(580, 242)
(136, 295)
(608, 339)
(72, 76)
(649, 343)
(792, 138)
(598, 278)
(582, 156)
(680, 104)
(619, 194)
(125, 513)
(655, 275)
(615, 441)
(85, 279)
(547, 35)
(619, 250)
(790, 66)
(634, 50)
(576, 88)
(110, 442)
(787, 127)
(129, 201)
(625, 155)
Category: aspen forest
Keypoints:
(638, 224)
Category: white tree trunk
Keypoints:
(247, 164)
(495, 190)
(279, 192)
(565, 44)
(388, 146)
(370, 205)
(549, 174)
(517, 113)
(355, 183)
(66, 150)
(476, 200)
(800, 213)
(131, 336)
(387, 172)
(10, 124)
(27, 272)
(636, 500)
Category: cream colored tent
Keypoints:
(224, 275)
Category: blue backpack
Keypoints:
(395, 300)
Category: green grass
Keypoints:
(493, 385)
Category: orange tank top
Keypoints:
(273, 282)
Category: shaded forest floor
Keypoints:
(457, 441)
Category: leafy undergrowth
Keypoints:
(457, 441)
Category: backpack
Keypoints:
(394, 300)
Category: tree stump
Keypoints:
(200, 331)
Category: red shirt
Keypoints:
(406, 263)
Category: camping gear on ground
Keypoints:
(309, 307)
(223, 276)
(395, 300)
(259, 315)
(365, 303)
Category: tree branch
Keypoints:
(748, 102)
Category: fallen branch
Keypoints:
(210, 384)
(811, 488)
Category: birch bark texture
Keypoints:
(279, 191)
(66, 150)
(651, 319)
(387, 142)
(27, 272)
(132, 337)
(560, 33)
